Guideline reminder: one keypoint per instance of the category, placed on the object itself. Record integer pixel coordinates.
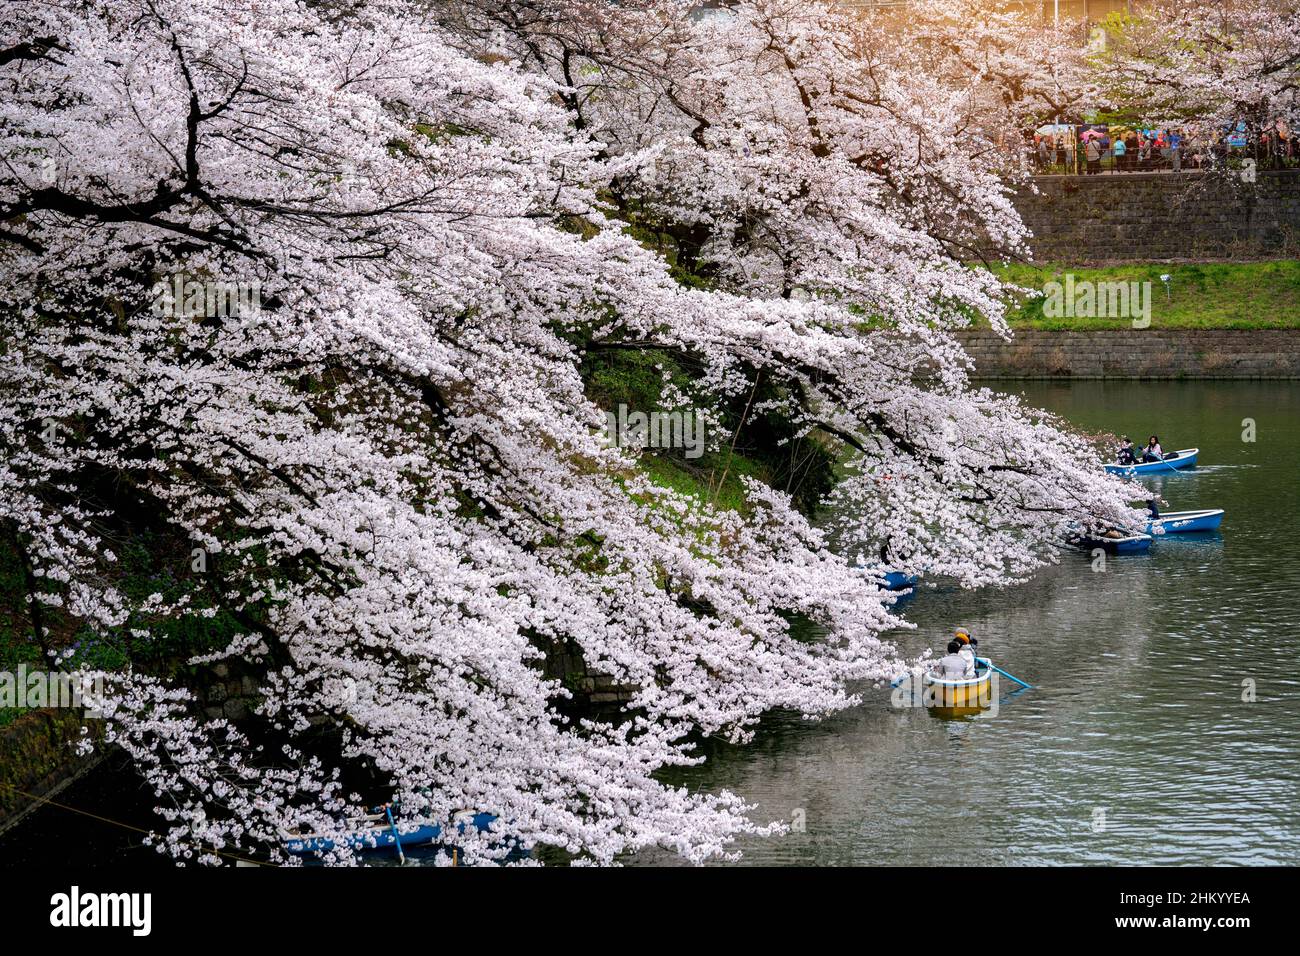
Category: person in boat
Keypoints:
(967, 650)
(952, 666)
(1153, 506)
(1127, 454)
(1153, 451)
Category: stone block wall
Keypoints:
(37, 757)
(227, 693)
(1140, 354)
(590, 688)
(1163, 216)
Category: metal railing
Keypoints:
(1073, 160)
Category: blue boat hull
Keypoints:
(1131, 545)
(898, 581)
(382, 837)
(1186, 458)
(1183, 522)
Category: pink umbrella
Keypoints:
(1090, 134)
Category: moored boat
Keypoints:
(375, 832)
(888, 579)
(1179, 522)
(1176, 461)
(898, 581)
(1132, 544)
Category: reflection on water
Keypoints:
(1135, 745)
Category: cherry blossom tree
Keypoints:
(1218, 65)
(376, 457)
(1018, 70)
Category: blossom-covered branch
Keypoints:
(382, 469)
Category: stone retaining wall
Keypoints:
(37, 758)
(1147, 353)
(1163, 216)
(564, 662)
(225, 692)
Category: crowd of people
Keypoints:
(1090, 150)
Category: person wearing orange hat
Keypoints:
(967, 651)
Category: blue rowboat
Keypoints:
(898, 581)
(1133, 544)
(1186, 458)
(1177, 522)
(889, 580)
(374, 833)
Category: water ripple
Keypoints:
(1164, 725)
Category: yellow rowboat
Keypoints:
(960, 697)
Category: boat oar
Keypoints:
(1166, 462)
(1013, 677)
(898, 680)
(397, 837)
(1133, 468)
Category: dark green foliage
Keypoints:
(765, 447)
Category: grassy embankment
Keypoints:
(762, 445)
(1252, 295)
